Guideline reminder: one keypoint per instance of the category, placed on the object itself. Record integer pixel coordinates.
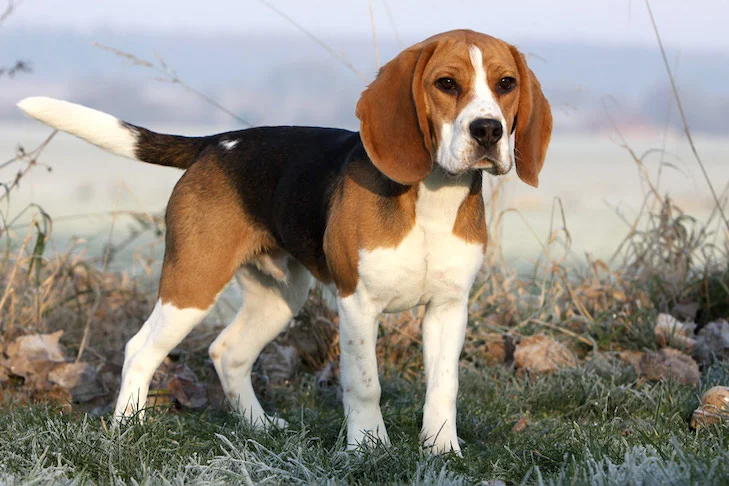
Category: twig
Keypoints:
(321, 43)
(374, 36)
(87, 326)
(400, 43)
(170, 76)
(683, 116)
(9, 286)
(97, 291)
(12, 5)
(588, 341)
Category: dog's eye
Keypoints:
(506, 84)
(448, 85)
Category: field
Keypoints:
(579, 367)
(594, 404)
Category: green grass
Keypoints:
(591, 425)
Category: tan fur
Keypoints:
(393, 122)
(399, 115)
(533, 126)
(367, 212)
(470, 223)
(209, 237)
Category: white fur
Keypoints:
(228, 144)
(268, 306)
(430, 266)
(95, 127)
(162, 331)
(458, 151)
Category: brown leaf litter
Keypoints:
(670, 332)
(175, 383)
(34, 368)
(669, 363)
(713, 342)
(542, 354)
(714, 408)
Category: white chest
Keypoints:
(431, 263)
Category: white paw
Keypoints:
(272, 422)
(263, 421)
(441, 441)
(366, 436)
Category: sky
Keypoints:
(699, 24)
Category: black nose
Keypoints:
(486, 131)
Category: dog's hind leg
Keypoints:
(268, 306)
(165, 328)
(208, 238)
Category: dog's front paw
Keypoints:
(263, 421)
(367, 434)
(441, 441)
(272, 422)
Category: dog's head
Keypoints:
(455, 100)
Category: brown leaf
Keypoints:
(520, 425)
(188, 393)
(36, 347)
(669, 362)
(81, 379)
(670, 332)
(542, 354)
(714, 407)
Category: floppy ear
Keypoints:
(533, 124)
(393, 118)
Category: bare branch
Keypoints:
(169, 75)
(338, 55)
(374, 36)
(686, 129)
(12, 5)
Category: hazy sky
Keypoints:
(683, 23)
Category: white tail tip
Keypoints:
(95, 127)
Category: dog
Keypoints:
(390, 217)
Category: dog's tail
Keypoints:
(114, 135)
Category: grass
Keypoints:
(584, 426)
(596, 424)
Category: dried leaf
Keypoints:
(670, 332)
(520, 425)
(542, 354)
(81, 379)
(37, 347)
(714, 407)
(669, 362)
(188, 393)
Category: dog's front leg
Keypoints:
(358, 371)
(444, 329)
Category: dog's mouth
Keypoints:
(490, 165)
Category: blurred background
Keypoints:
(305, 63)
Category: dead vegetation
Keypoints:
(666, 288)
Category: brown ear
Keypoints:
(393, 119)
(533, 124)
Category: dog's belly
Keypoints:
(427, 266)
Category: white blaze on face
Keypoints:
(458, 150)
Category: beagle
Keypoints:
(392, 216)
